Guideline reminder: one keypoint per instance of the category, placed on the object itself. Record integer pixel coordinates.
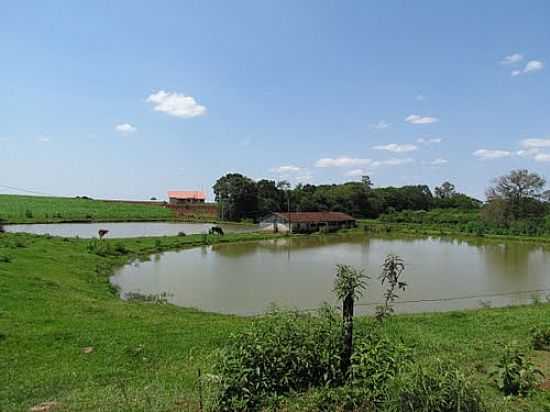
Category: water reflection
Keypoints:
(244, 278)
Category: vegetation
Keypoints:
(38, 209)
(515, 374)
(243, 198)
(66, 337)
(540, 336)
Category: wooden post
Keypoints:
(347, 344)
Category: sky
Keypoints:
(130, 99)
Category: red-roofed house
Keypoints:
(182, 197)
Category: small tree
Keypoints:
(392, 269)
(445, 191)
(349, 285)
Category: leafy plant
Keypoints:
(281, 353)
(392, 269)
(515, 374)
(540, 337)
(436, 387)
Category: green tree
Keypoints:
(445, 191)
(237, 197)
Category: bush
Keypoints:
(515, 374)
(439, 387)
(281, 353)
(540, 337)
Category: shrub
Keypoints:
(181, 234)
(5, 259)
(515, 374)
(282, 352)
(540, 337)
(439, 387)
(28, 214)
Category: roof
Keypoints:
(315, 217)
(175, 194)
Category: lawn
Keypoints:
(65, 336)
(38, 209)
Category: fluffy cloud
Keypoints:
(429, 141)
(416, 119)
(176, 104)
(287, 169)
(381, 125)
(392, 162)
(438, 162)
(535, 143)
(342, 161)
(396, 148)
(486, 154)
(125, 128)
(512, 59)
(531, 67)
(542, 157)
(44, 139)
(356, 172)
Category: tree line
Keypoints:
(240, 197)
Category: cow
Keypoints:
(102, 233)
(216, 230)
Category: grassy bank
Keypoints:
(65, 336)
(39, 209)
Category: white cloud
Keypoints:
(287, 169)
(43, 139)
(396, 148)
(342, 161)
(486, 154)
(531, 143)
(176, 104)
(438, 162)
(429, 140)
(529, 152)
(542, 157)
(533, 66)
(356, 172)
(381, 125)
(125, 128)
(416, 119)
(512, 59)
(392, 162)
(420, 98)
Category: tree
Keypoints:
(349, 285)
(445, 191)
(520, 190)
(237, 197)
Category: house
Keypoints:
(307, 222)
(180, 198)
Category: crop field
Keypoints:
(38, 209)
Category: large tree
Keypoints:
(237, 197)
(519, 191)
(445, 191)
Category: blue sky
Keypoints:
(129, 99)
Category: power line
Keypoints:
(19, 189)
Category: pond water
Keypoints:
(245, 278)
(124, 229)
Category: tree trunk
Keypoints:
(347, 344)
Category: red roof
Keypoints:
(186, 195)
(315, 217)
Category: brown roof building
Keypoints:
(307, 222)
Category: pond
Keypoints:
(124, 229)
(245, 278)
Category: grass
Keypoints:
(65, 336)
(39, 209)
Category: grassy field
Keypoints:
(38, 209)
(65, 336)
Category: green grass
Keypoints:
(55, 300)
(38, 209)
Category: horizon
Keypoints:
(128, 101)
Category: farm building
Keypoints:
(180, 198)
(307, 222)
